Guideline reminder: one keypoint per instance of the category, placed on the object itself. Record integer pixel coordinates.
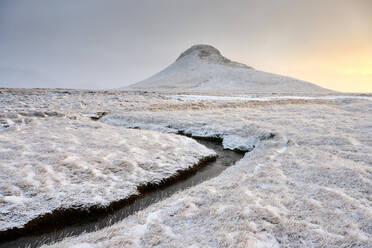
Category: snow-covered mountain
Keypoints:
(203, 68)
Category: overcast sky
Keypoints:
(113, 43)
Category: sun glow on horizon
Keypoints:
(343, 68)
(349, 71)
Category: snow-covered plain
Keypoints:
(266, 98)
(49, 163)
(310, 186)
(307, 183)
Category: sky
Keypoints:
(113, 43)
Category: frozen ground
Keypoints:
(49, 163)
(308, 187)
(243, 98)
(307, 183)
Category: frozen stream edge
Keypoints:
(72, 222)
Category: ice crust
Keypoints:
(309, 185)
(191, 97)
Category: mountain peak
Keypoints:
(210, 54)
(203, 68)
(201, 50)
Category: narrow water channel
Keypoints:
(210, 170)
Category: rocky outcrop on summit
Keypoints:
(203, 68)
(210, 55)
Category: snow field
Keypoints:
(309, 186)
(58, 163)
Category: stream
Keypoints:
(98, 221)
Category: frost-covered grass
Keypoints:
(309, 186)
(56, 163)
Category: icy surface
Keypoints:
(309, 185)
(203, 68)
(54, 163)
(266, 98)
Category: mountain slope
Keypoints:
(203, 68)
